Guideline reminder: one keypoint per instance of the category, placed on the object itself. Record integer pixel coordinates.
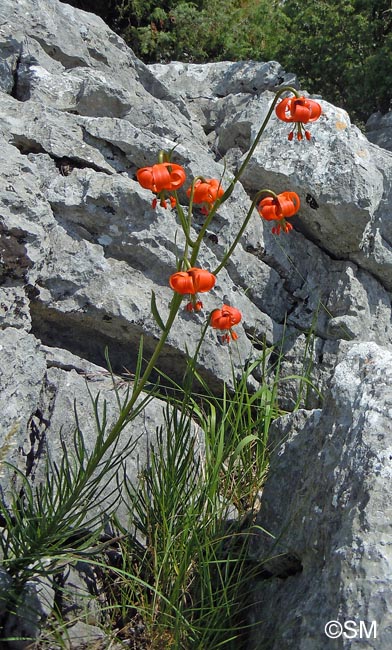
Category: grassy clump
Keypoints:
(177, 572)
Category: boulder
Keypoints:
(209, 89)
(379, 129)
(327, 555)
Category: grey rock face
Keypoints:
(214, 80)
(21, 357)
(330, 553)
(343, 182)
(379, 130)
(82, 250)
(208, 90)
(35, 603)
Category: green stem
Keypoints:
(118, 426)
(140, 385)
(241, 230)
(192, 244)
(176, 301)
(238, 175)
(185, 225)
(203, 230)
(191, 366)
(236, 178)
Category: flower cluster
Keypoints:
(169, 177)
(165, 178)
(194, 281)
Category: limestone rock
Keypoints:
(83, 636)
(379, 130)
(21, 357)
(209, 89)
(343, 182)
(223, 78)
(328, 550)
(34, 604)
(96, 228)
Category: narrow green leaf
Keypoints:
(248, 439)
(155, 311)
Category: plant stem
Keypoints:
(256, 140)
(126, 411)
(241, 230)
(236, 178)
(186, 227)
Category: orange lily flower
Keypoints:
(279, 208)
(192, 282)
(162, 177)
(206, 192)
(224, 319)
(299, 110)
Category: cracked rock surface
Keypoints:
(328, 551)
(82, 250)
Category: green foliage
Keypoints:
(44, 521)
(196, 30)
(186, 568)
(340, 49)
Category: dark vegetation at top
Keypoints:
(340, 49)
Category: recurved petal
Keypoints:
(177, 176)
(287, 207)
(181, 282)
(145, 177)
(300, 112)
(289, 203)
(202, 280)
(282, 110)
(315, 110)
